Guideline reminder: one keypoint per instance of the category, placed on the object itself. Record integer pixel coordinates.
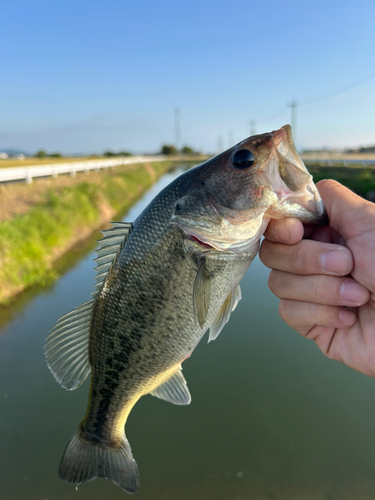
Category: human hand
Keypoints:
(327, 283)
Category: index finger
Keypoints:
(288, 230)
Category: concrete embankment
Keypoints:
(42, 221)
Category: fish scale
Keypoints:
(162, 282)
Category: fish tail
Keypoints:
(84, 460)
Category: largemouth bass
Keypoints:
(162, 282)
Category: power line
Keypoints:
(349, 86)
(271, 117)
(346, 87)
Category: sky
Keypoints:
(81, 76)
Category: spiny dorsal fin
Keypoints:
(223, 316)
(201, 293)
(109, 246)
(67, 347)
(174, 390)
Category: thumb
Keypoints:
(354, 219)
(349, 214)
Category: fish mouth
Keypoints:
(301, 189)
(283, 141)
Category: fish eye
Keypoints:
(243, 159)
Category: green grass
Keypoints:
(361, 181)
(31, 242)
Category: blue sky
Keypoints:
(84, 76)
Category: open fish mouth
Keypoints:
(297, 185)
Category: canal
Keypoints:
(270, 418)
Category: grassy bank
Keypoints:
(359, 180)
(59, 215)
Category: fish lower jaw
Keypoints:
(196, 243)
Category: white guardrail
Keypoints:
(338, 161)
(54, 169)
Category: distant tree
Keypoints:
(186, 150)
(124, 153)
(40, 154)
(368, 149)
(55, 155)
(168, 150)
(109, 153)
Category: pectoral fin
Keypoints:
(201, 293)
(226, 309)
(174, 390)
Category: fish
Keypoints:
(162, 282)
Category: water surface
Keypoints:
(271, 417)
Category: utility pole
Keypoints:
(230, 139)
(219, 144)
(293, 106)
(177, 128)
(252, 127)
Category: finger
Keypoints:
(287, 230)
(303, 316)
(328, 235)
(323, 233)
(326, 290)
(349, 214)
(307, 257)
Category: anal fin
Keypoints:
(174, 390)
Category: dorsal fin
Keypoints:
(222, 318)
(109, 246)
(174, 390)
(67, 347)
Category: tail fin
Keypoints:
(85, 460)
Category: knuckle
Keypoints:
(298, 259)
(273, 281)
(317, 290)
(288, 311)
(264, 252)
(284, 310)
(328, 183)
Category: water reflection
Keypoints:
(271, 418)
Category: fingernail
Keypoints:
(283, 230)
(353, 292)
(346, 317)
(335, 261)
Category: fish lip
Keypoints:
(284, 144)
(283, 137)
